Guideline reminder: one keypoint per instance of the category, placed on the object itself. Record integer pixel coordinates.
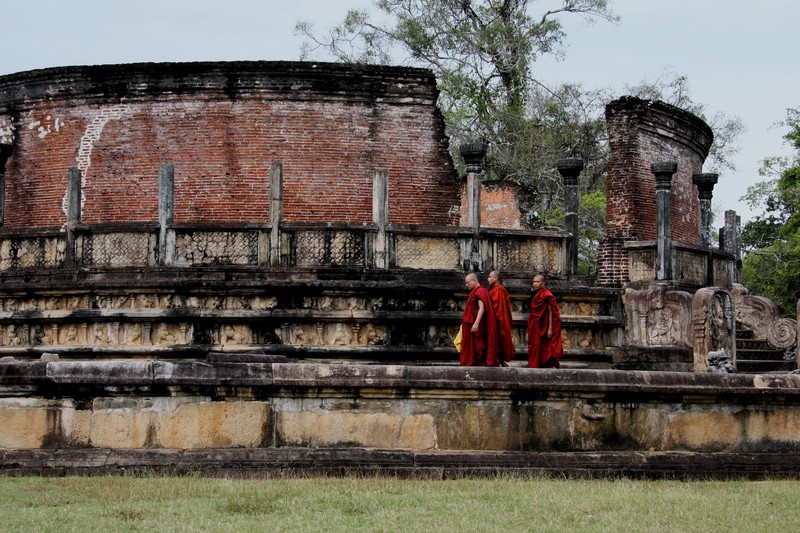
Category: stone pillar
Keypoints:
(166, 215)
(275, 213)
(570, 169)
(380, 216)
(663, 172)
(73, 213)
(731, 241)
(5, 152)
(705, 187)
(473, 154)
(639, 133)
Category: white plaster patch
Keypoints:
(90, 136)
(6, 131)
(46, 126)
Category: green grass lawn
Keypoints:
(111, 504)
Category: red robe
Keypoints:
(501, 303)
(479, 348)
(543, 351)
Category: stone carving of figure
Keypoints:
(70, 335)
(165, 334)
(719, 327)
(341, 335)
(145, 301)
(369, 335)
(297, 334)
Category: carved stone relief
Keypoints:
(714, 328)
(658, 317)
(762, 316)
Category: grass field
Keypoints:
(111, 504)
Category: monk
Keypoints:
(478, 327)
(545, 347)
(501, 303)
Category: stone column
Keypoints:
(663, 172)
(705, 187)
(73, 213)
(380, 216)
(5, 152)
(731, 241)
(166, 215)
(570, 169)
(473, 154)
(275, 213)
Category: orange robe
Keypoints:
(544, 351)
(501, 303)
(479, 348)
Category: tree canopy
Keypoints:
(771, 266)
(483, 53)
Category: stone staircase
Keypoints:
(756, 356)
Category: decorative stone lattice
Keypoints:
(118, 249)
(335, 248)
(229, 248)
(37, 252)
(427, 253)
(527, 255)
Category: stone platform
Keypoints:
(271, 418)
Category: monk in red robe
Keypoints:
(545, 347)
(501, 303)
(478, 327)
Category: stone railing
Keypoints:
(692, 266)
(312, 245)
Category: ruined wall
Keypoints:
(641, 133)
(222, 125)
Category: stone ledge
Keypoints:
(295, 462)
(354, 376)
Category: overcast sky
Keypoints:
(742, 57)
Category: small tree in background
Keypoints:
(771, 265)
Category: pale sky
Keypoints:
(740, 56)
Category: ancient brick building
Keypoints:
(332, 127)
(643, 132)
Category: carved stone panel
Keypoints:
(714, 328)
(658, 317)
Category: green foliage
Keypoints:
(482, 53)
(772, 265)
(674, 89)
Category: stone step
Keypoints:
(752, 366)
(759, 355)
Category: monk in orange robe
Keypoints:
(478, 327)
(501, 303)
(545, 347)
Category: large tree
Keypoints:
(482, 53)
(772, 240)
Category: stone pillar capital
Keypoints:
(664, 171)
(705, 182)
(570, 169)
(474, 153)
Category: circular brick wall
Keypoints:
(222, 125)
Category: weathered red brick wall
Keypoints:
(222, 125)
(641, 133)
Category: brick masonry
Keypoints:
(222, 125)
(641, 133)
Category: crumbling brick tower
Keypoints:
(641, 133)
